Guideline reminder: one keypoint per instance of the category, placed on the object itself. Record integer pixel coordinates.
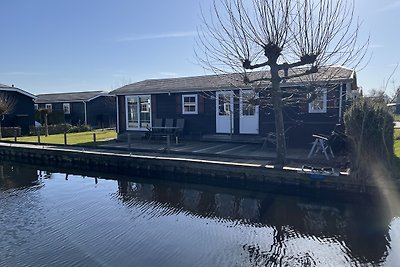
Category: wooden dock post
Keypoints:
(168, 142)
(65, 139)
(38, 136)
(94, 139)
(15, 135)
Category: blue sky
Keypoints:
(79, 45)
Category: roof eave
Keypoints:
(15, 89)
(287, 84)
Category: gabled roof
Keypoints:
(229, 81)
(69, 97)
(8, 88)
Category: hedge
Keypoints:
(369, 127)
(10, 131)
(60, 128)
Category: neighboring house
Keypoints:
(95, 108)
(22, 115)
(205, 103)
(398, 103)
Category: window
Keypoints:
(319, 104)
(189, 104)
(36, 106)
(224, 104)
(49, 107)
(247, 107)
(67, 108)
(138, 112)
(144, 107)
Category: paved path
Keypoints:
(397, 124)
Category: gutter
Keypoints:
(117, 108)
(85, 109)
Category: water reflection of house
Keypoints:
(17, 176)
(291, 217)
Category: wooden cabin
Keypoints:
(94, 108)
(218, 105)
(22, 113)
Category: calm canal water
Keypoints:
(54, 219)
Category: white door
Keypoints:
(224, 112)
(249, 118)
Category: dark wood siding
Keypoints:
(170, 106)
(77, 111)
(300, 124)
(122, 114)
(23, 113)
(101, 112)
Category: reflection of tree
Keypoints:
(17, 176)
(291, 218)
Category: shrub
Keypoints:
(80, 128)
(56, 117)
(10, 131)
(369, 127)
(60, 128)
(53, 117)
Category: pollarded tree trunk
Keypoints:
(46, 126)
(279, 124)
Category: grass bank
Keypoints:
(84, 138)
(397, 152)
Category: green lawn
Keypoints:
(85, 138)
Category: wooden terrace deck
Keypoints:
(237, 151)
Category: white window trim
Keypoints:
(69, 108)
(241, 105)
(196, 104)
(36, 106)
(126, 113)
(324, 92)
(49, 107)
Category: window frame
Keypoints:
(196, 104)
(312, 109)
(49, 107)
(36, 106)
(138, 111)
(69, 108)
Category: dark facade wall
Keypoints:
(121, 114)
(23, 113)
(77, 111)
(170, 106)
(101, 112)
(397, 111)
(299, 123)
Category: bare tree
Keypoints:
(284, 39)
(44, 113)
(7, 104)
